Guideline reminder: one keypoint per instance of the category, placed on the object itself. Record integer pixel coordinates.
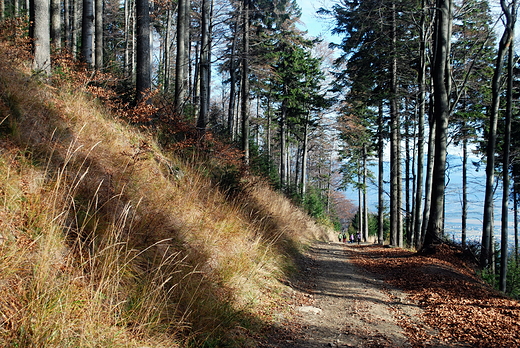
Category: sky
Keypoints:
(315, 26)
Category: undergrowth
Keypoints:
(112, 238)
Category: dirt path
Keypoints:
(340, 305)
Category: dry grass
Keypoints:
(108, 241)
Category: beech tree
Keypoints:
(40, 33)
(441, 112)
(181, 60)
(87, 32)
(143, 72)
(503, 46)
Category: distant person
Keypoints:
(340, 237)
(344, 237)
(359, 237)
(352, 238)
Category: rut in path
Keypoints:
(348, 306)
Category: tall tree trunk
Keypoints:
(167, 51)
(381, 188)
(268, 132)
(205, 65)
(515, 209)
(283, 168)
(181, 77)
(361, 210)
(304, 157)
(396, 222)
(99, 34)
(487, 228)
(40, 33)
(464, 190)
(67, 7)
(441, 112)
(429, 175)
(143, 67)
(87, 32)
(75, 26)
(245, 84)
(232, 83)
(505, 158)
(128, 38)
(408, 175)
(365, 195)
(55, 23)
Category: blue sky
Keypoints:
(310, 21)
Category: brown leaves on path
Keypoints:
(461, 308)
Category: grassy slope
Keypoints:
(102, 244)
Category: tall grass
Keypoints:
(102, 244)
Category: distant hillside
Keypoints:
(107, 240)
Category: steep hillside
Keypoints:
(107, 240)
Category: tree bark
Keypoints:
(464, 190)
(99, 35)
(381, 190)
(40, 33)
(504, 252)
(181, 58)
(232, 84)
(205, 65)
(55, 23)
(305, 151)
(245, 84)
(396, 225)
(143, 68)
(441, 83)
(87, 32)
(487, 228)
(421, 80)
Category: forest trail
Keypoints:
(339, 304)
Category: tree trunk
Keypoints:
(304, 157)
(396, 232)
(143, 68)
(128, 38)
(75, 26)
(55, 23)
(232, 84)
(381, 188)
(408, 192)
(245, 84)
(365, 195)
(205, 65)
(67, 7)
(464, 190)
(505, 41)
(441, 83)
(505, 158)
(515, 209)
(40, 33)
(87, 32)
(283, 149)
(181, 58)
(99, 35)
(167, 51)
(421, 80)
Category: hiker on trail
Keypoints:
(352, 238)
(344, 237)
(340, 236)
(359, 237)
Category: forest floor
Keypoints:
(350, 295)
